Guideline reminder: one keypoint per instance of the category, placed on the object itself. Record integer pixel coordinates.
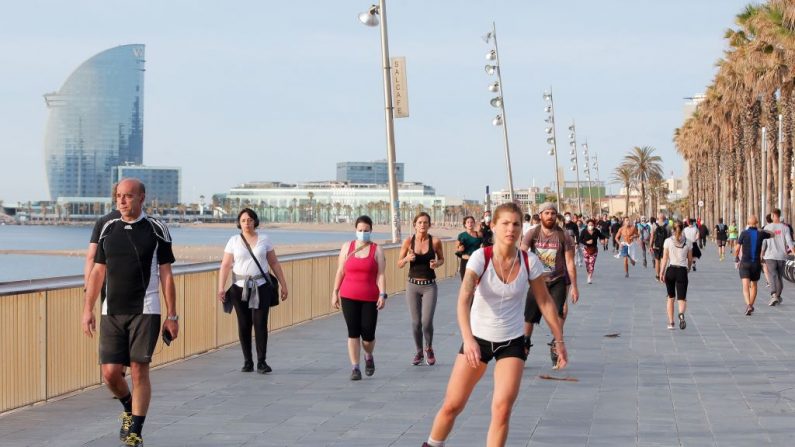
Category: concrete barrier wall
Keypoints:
(45, 354)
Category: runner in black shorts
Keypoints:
(134, 260)
(721, 236)
(749, 245)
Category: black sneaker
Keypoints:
(263, 367)
(682, 324)
(369, 366)
(126, 422)
(132, 440)
(356, 374)
(247, 367)
(553, 353)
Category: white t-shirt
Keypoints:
(497, 312)
(677, 255)
(244, 265)
(691, 233)
(526, 227)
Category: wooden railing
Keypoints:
(45, 353)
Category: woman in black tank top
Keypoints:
(423, 253)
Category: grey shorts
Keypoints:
(128, 338)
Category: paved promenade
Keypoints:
(727, 380)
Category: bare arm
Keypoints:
(170, 297)
(223, 274)
(381, 278)
(276, 266)
(335, 292)
(465, 295)
(572, 269)
(550, 313)
(95, 280)
(406, 253)
(91, 252)
(438, 249)
(664, 263)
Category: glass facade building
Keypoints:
(162, 184)
(95, 123)
(372, 172)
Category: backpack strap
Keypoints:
(488, 253)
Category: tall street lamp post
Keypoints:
(498, 101)
(552, 139)
(370, 18)
(575, 162)
(587, 172)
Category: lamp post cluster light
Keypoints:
(492, 68)
(549, 130)
(575, 162)
(587, 172)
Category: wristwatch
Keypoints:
(173, 318)
(383, 295)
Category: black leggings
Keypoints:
(361, 318)
(246, 318)
(676, 282)
(463, 268)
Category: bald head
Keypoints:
(752, 221)
(130, 194)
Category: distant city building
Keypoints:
(596, 189)
(277, 194)
(95, 123)
(692, 105)
(162, 183)
(367, 172)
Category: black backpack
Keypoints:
(660, 235)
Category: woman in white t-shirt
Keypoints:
(491, 318)
(248, 292)
(676, 261)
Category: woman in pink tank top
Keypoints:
(360, 289)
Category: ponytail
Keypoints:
(678, 228)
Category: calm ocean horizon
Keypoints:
(16, 267)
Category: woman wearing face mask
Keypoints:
(468, 241)
(589, 238)
(360, 288)
(423, 253)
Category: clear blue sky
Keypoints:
(274, 90)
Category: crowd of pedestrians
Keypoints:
(515, 269)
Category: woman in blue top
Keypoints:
(468, 241)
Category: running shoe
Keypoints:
(682, 323)
(553, 353)
(263, 367)
(132, 439)
(126, 422)
(644, 264)
(671, 326)
(247, 367)
(589, 280)
(694, 267)
(356, 374)
(779, 299)
(626, 275)
(430, 358)
(748, 310)
(369, 365)
(773, 300)
(418, 358)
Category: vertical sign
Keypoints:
(400, 92)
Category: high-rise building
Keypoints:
(95, 123)
(162, 183)
(370, 172)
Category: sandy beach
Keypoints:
(207, 253)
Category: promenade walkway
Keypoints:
(727, 380)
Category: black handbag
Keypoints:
(271, 282)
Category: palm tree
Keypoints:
(644, 165)
(623, 175)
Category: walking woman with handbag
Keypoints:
(250, 257)
(360, 288)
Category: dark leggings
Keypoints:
(676, 282)
(463, 268)
(246, 318)
(360, 317)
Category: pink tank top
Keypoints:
(359, 282)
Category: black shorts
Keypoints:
(499, 350)
(361, 318)
(128, 338)
(557, 289)
(676, 282)
(750, 270)
(658, 253)
(721, 242)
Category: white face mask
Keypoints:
(567, 218)
(590, 227)
(487, 219)
(363, 236)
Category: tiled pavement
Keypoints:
(727, 380)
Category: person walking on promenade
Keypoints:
(703, 232)
(659, 233)
(733, 233)
(692, 235)
(644, 229)
(603, 225)
(721, 236)
(490, 303)
(768, 221)
(774, 253)
(615, 225)
(627, 235)
(360, 288)
(93, 242)
(134, 260)
(677, 256)
(573, 231)
(748, 260)
(250, 257)
(424, 254)
(589, 238)
(528, 222)
(555, 249)
(485, 229)
(468, 241)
